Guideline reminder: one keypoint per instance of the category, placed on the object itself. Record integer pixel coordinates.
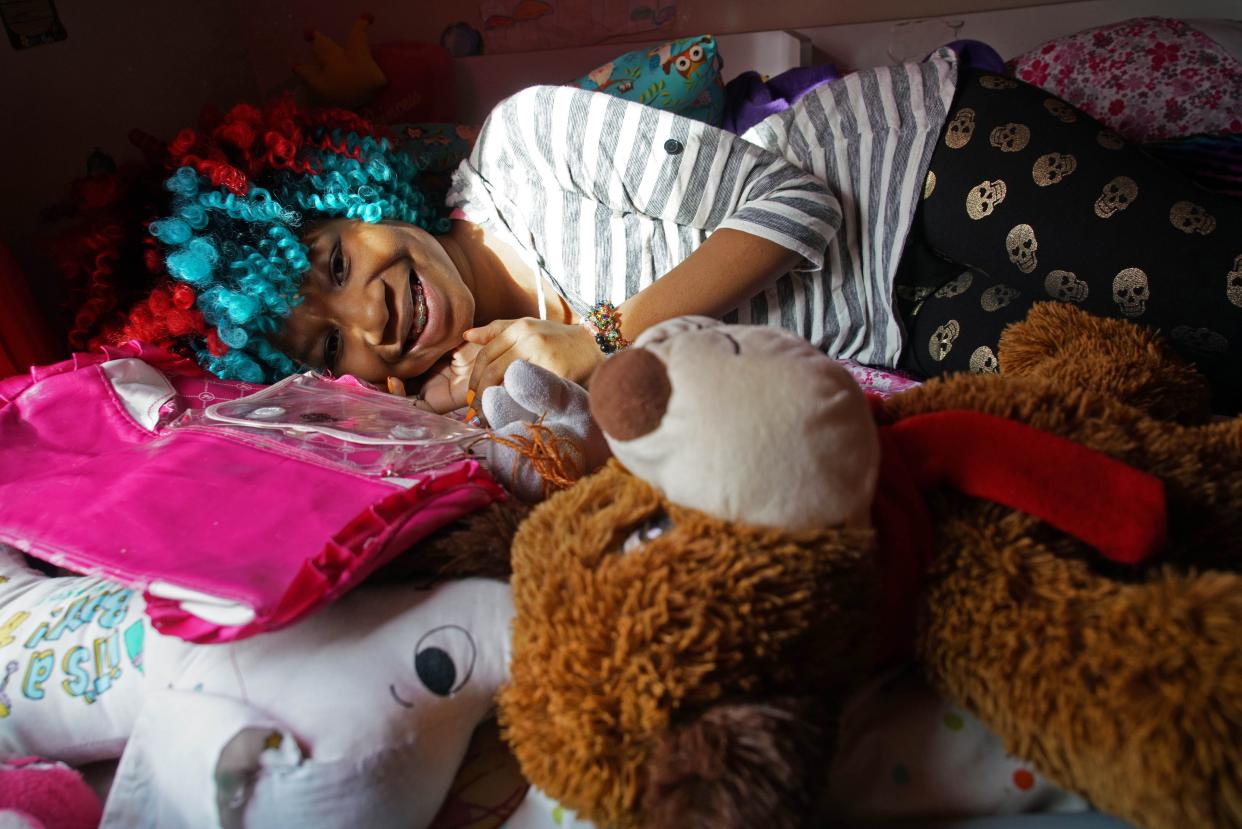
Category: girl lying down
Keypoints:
(900, 216)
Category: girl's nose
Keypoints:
(363, 311)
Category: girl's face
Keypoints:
(380, 300)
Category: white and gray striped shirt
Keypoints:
(603, 196)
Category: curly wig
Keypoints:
(223, 261)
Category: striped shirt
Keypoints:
(603, 196)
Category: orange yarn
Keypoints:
(545, 451)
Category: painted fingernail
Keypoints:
(471, 416)
(308, 33)
(469, 397)
(396, 386)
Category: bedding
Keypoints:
(903, 754)
(751, 97)
(1149, 78)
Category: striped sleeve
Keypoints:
(634, 159)
(871, 135)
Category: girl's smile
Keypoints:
(381, 300)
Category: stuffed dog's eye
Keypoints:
(648, 531)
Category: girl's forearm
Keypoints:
(728, 268)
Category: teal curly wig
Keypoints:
(228, 255)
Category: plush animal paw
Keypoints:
(542, 434)
(1069, 347)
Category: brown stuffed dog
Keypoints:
(688, 618)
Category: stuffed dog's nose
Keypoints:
(629, 394)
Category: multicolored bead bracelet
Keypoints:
(604, 323)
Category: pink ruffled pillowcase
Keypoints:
(1149, 78)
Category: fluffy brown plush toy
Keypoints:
(688, 617)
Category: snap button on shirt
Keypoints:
(673, 146)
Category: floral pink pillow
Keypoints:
(881, 382)
(1148, 78)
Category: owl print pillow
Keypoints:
(681, 76)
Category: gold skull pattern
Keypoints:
(997, 82)
(929, 184)
(1109, 140)
(1021, 244)
(983, 198)
(1189, 217)
(913, 293)
(1051, 168)
(1233, 282)
(942, 340)
(1060, 110)
(1065, 286)
(997, 297)
(1010, 138)
(960, 129)
(1131, 291)
(983, 361)
(956, 286)
(1200, 339)
(1118, 194)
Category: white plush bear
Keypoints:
(357, 716)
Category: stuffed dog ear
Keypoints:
(743, 764)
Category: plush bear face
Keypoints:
(634, 614)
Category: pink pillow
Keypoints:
(1148, 78)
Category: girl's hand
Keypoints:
(397, 386)
(565, 349)
(444, 387)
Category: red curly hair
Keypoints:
(114, 268)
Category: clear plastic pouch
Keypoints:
(341, 422)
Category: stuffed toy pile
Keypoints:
(688, 618)
(1057, 546)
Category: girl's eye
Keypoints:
(336, 265)
(332, 349)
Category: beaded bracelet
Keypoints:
(604, 323)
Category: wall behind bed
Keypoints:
(150, 64)
(1011, 32)
(483, 80)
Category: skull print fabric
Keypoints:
(1028, 200)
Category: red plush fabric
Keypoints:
(904, 539)
(23, 339)
(420, 84)
(1113, 507)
